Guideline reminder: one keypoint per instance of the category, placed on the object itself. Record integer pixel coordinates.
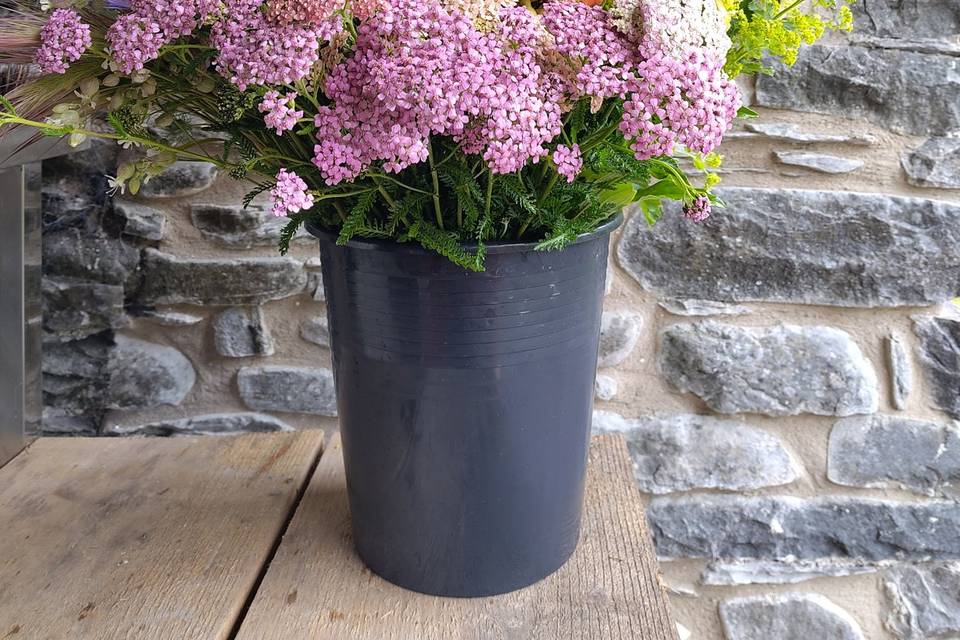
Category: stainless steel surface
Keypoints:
(39, 147)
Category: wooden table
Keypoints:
(248, 537)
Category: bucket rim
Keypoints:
(496, 247)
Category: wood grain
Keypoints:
(317, 588)
(142, 538)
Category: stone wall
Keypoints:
(785, 373)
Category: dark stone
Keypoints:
(77, 308)
(236, 226)
(808, 247)
(778, 371)
(242, 333)
(181, 179)
(90, 256)
(140, 221)
(924, 601)
(935, 164)
(288, 389)
(903, 91)
(790, 616)
(75, 375)
(208, 425)
(144, 375)
(169, 279)
(910, 18)
(776, 528)
(885, 451)
(939, 352)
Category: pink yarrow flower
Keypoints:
(63, 40)
(568, 160)
(698, 210)
(290, 194)
(281, 114)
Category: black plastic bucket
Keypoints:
(465, 405)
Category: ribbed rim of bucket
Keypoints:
(492, 247)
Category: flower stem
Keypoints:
(436, 185)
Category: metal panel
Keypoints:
(12, 315)
(33, 302)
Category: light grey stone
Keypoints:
(140, 220)
(807, 247)
(315, 285)
(917, 45)
(821, 162)
(59, 423)
(172, 318)
(696, 308)
(89, 256)
(778, 371)
(683, 452)
(790, 616)
(206, 425)
(606, 387)
(908, 18)
(939, 353)
(785, 527)
(288, 389)
(924, 601)
(936, 163)
(242, 332)
(885, 451)
(143, 375)
(77, 308)
(901, 372)
(619, 333)
(170, 279)
(737, 573)
(239, 227)
(789, 132)
(903, 91)
(185, 178)
(316, 330)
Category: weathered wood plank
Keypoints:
(317, 588)
(142, 538)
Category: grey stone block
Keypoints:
(180, 179)
(89, 256)
(693, 308)
(169, 279)
(924, 601)
(77, 308)
(908, 18)
(903, 91)
(789, 132)
(939, 353)
(901, 372)
(236, 226)
(807, 247)
(242, 332)
(820, 162)
(791, 616)
(619, 333)
(140, 221)
(288, 389)
(605, 387)
(936, 163)
(741, 572)
(779, 528)
(683, 452)
(143, 374)
(885, 451)
(206, 425)
(316, 330)
(778, 371)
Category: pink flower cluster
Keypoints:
(136, 37)
(418, 70)
(698, 210)
(281, 115)
(254, 51)
(290, 194)
(568, 160)
(63, 39)
(672, 101)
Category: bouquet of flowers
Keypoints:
(451, 123)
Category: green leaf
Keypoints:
(652, 210)
(747, 113)
(8, 106)
(666, 188)
(356, 221)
